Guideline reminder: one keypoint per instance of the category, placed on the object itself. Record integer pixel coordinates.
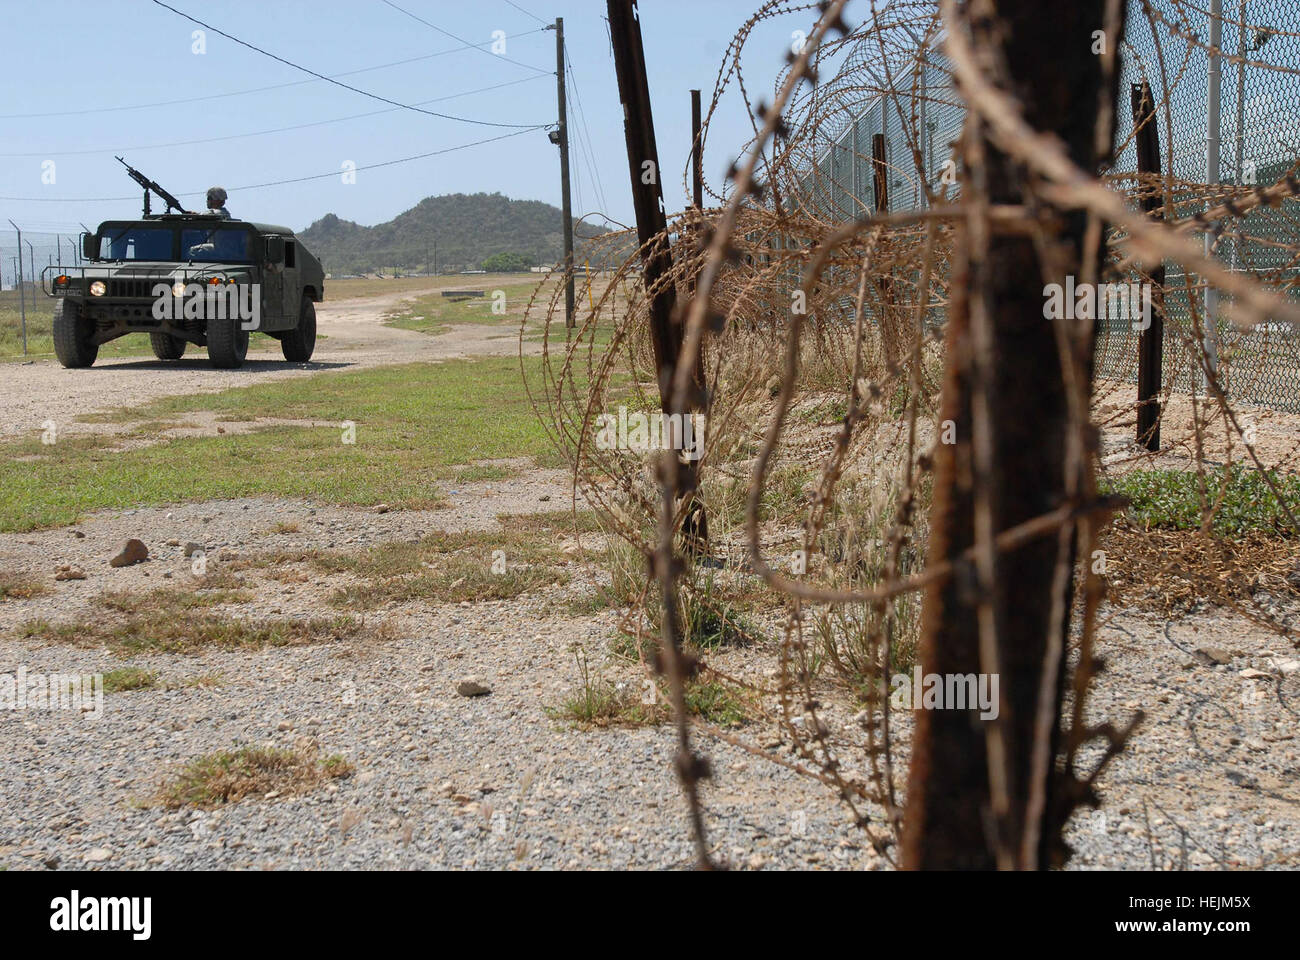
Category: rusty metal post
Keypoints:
(1151, 340)
(697, 152)
(880, 172)
(977, 797)
(885, 283)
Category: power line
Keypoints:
(448, 33)
(259, 133)
(337, 83)
(46, 114)
(522, 10)
(280, 183)
(589, 144)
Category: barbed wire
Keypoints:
(819, 313)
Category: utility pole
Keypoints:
(666, 333)
(22, 302)
(561, 139)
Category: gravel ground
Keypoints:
(1210, 778)
(498, 781)
(441, 780)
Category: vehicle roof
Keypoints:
(168, 218)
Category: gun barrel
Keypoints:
(153, 185)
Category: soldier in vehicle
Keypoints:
(217, 202)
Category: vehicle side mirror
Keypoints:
(89, 246)
(274, 249)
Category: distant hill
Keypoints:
(468, 228)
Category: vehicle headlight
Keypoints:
(98, 288)
(178, 288)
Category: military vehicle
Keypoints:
(183, 278)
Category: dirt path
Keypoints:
(355, 339)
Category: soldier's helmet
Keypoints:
(216, 198)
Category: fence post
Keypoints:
(1151, 340)
(22, 301)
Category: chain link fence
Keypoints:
(26, 305)
(1256, 57)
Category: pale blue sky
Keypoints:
(62, 56)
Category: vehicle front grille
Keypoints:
(136, 288)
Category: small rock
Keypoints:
(382, 508)
(68, 572)
(192, 548)
(284, 725)
(472, 688)
(132, 553)
(1250, 673)
(173, 542)
(79, 534)
(98, 855)
(1214, 655)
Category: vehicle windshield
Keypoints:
(200, 244)
(215, 245)
(136, 243)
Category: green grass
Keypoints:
(522, 555)
(129, 678)
(414, 425)
(601, 703)
(1173, 500)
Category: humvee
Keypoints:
(186, 278)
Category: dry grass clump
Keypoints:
(228, 776)
(164, 631)
(19, 586)
(1174, 571)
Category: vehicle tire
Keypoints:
(298, 344)
(74, 334)
(167, 347)
(227, 343)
